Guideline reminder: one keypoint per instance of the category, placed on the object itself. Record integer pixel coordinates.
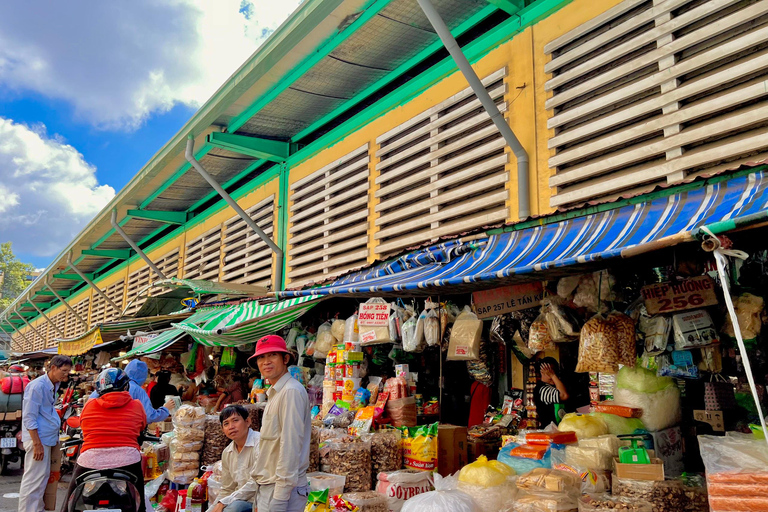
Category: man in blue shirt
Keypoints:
(138, 372)
(40, 424)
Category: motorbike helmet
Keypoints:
(111, 379)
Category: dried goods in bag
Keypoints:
(562, 324)
(480, 369)
(215, 441)
(386, 452)
(465, 337)
(324, 341)
(598, 346)
(432, 328)
(351, 457)
(372, 329)
(625, 337)
(539, 339)
(351, 331)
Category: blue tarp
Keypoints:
(571, 242)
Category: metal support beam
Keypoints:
(20, 333)
(508, 6)
(66, 304)
(71, 277)
(524, 210)
(115, 254)
(272, 150)
(135, 247)
(30, 326)
(10, 338)
(160, 216)
(56, 328)
(92, 284)
(190, 156)
(31, 304)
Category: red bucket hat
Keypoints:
(267, 345)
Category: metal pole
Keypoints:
(524, 209)
(190, 156)
(22, 335)
(46, 318)
(133, 245)
(91, 284)
(66, 304)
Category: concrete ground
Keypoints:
(9, 484)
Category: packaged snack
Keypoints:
(584, 425)
(337, 330)
(553, 480)
(598, 346)
(626, 338)
(693, 329)
(610, 407)
(317, 501)
(420, 447)
(539, 338)
(547, 438)
(324, 341)
(541, 501)
(363, 421)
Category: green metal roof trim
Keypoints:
(310, 15)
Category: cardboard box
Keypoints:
(653, 471)
(713, 418)
(49, 497)
(451, 449)
(478, 447)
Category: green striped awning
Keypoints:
(170, 336)
(111, 331)
(247, 322)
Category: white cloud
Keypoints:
(48, 192)
(119, 62)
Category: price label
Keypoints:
(368, 336)
(694, 293)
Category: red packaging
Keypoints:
(530, 451)
(547, 438)
(618, 410)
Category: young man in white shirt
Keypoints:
(239, 457)
(280, 473)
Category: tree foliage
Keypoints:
(14, 275)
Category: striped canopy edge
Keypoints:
(554, 248)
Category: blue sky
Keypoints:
(90, 91)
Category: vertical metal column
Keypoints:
(135, 247)
(524, 209)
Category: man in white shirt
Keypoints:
(280, 473)
(239, 457)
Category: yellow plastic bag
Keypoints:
(584, 425)
(486, 473)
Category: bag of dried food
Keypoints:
(370, 329)
(386, 452)
(338, 327)
(324, 341)
(351, 457)
(367, 501)
(539, 338)
(542, 501)
(432, 327)
(465, 337)
(553, 480)
(562, 324)
(598, 346)
(420, 447)
(480, 369)
(600, 502)
(214, 442)
(399, 486)
(665, 496)
(626, 338)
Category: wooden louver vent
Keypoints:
(442, 172)
(657, 92)
(81, 308)
(247, 258)
(137, 281)
(329, 220)
(202, 255)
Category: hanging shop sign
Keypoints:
(374, 314)
(497, 301)
(140, 340)
(82, 344)
(694, 293)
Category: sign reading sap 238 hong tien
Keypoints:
(374, 314)
(497, 301)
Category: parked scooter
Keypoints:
(71, 441)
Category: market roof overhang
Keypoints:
(559, 248)
(332, 66)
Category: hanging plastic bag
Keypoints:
(338, 327)
(480, 368)
(626, 338)
(445, 498)
(749, 310)
(562, 324)
(598, 347)
(228, 358)
(373, 321)
(465, 337)
(539, 339)
(351, 333)
(324, 341)
(413, 337)
(584, 425)
(432, 328)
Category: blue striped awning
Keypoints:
(516, 255)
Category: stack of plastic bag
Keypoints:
(490, 482)
(737, 472)
(445, 498)
(189, 432)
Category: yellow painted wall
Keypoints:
(524, 58)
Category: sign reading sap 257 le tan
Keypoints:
(494, 302)
(694, 293)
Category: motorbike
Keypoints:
(10, 444)
(71, 441)
(104, 490)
